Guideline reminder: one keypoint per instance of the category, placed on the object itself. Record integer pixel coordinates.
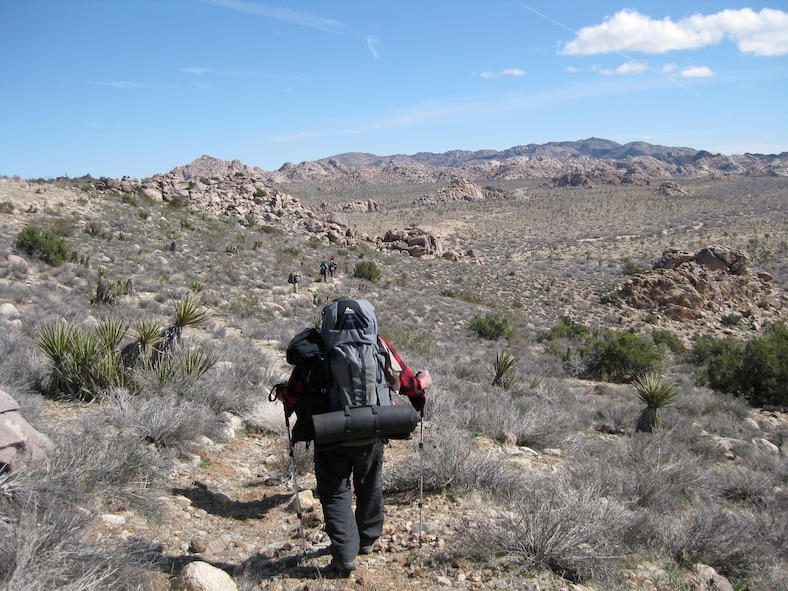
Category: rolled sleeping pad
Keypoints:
(365, 422)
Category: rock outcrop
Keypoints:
(714, 281)
(458, 190)
(412, 241)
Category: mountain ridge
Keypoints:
(597, 148)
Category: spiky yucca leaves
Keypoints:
(53, 340)
(190, 363)
(505, 367)
(188, 312)
(111, 331)
(146, 333)
(656, 392)
(84, 364)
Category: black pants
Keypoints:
(333, 470)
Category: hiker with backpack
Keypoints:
(340, 390)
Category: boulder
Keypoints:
(21, 445)
(201, 576)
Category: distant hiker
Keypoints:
(332, 267)
(293, 279)
(324, 270)
(340, 390)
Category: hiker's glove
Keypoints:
(424, 381)
(287, 401)
(418, 401)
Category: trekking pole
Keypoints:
(300, 513)
(421, 477)
(272, 396)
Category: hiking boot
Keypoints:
(368, 549)
(342, 569)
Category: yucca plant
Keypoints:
(111, 331)
(656, 392)
(53, 340)
(197, 361)
(188, 312)
(146, 333)
(84, 364)
(505, 367)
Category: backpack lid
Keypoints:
(349, 320)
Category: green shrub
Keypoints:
(44, 246)
(668, 339)
(566, 329)
(6, 207)
(731, 320)
(632, 268)
(367, 270)
(719, 361)
(619, 356)
(491, 326)
(764, 368)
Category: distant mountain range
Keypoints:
(600, 159)
(596, 148)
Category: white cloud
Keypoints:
(374, 45)
(763, 33)
(508, 72)
(697, 72)
(626, 69)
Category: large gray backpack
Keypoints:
(355, 360)
(357, 366)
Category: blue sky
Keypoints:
(137, 87)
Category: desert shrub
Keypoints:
(731, 541)
(629, 267)
(719, 360)
(764, 368)
(566, 329)
(163, 416)
(618, 356)
(548, 522)
(366, 270)
(461, 295)
(6, 207)
(646, 471)
(668, 339)
(45, 519)
(757, 370)
(44, 246)
(491, 326)
(450, 462)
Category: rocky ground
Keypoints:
(232, 506)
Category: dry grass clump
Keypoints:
(46, 514)
(547, 521)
